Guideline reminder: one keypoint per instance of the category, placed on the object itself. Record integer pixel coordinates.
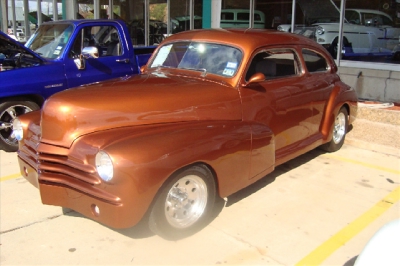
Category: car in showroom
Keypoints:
(212, 112)
(365, 33)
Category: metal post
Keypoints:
(340, 38)
(96, 5)
(215, 14)
(293, 16)
(191, 13)
(55, 10)
(39, 12)
(146, 22)
(4, 16)
(169, 18)
(14, 20)
(110, 9)
(26, 20)
(251, 14)
(75, 9)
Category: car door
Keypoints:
(113, 61)
(281, 102)
(320, 80)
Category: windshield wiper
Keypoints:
(198, 69)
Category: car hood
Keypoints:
(136, 100)
(10, 47)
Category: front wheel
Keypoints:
(8, 112)
(184, 204)
(339, 131)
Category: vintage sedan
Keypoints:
(213, 112)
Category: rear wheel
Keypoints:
(8, 112)
(339, 131)
(184, 204)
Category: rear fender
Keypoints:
(339, 97)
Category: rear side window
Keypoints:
(227, 16)
(274, 63)
(246, 16)
(315, 62)
(243, 16)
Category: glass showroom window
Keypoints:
(371, 29)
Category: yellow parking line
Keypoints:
(321, 253)
(394, 171)
(8, 177)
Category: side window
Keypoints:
(386, 21)
(104, 38)
(243, 16)
(274, 63)
(352, 17)
(315, 62)
(227, 16)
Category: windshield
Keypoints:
(50, 40)
(212, 58)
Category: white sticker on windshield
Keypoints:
(59, 47)
(161, 55)
(228, 72)
(231, 65)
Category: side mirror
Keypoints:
(90, 52)
(80, 62)
(255, 78)
(87, 52)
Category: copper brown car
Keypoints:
(212, 112)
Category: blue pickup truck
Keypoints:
(58, 56)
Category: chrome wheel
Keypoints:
(339, 128)
(8, 112)
(6, 122)
(186, 201)
(339, 131)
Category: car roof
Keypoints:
(246, 39)
(81, 21)
(367, 11)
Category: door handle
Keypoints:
(125, 60)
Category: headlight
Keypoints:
(104, 166)
(320, 30)
(18, 130)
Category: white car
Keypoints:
(20, 36)
(365, 33)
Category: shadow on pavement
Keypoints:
(142, 230)
(270, 178)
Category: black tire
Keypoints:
(184, 203)
(8, 112)
(334, 46)
(396, 56)
(339, 131)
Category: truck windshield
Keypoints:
(50, 40)
(212, 58)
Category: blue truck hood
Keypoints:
(7, 45)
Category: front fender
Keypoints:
(144, 157)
